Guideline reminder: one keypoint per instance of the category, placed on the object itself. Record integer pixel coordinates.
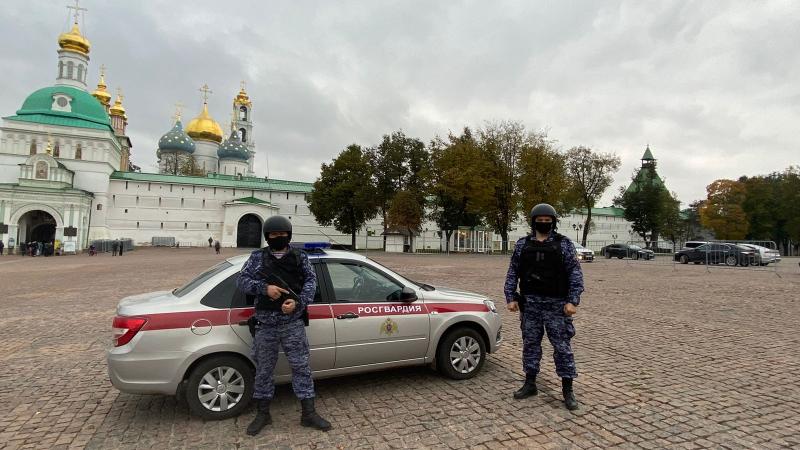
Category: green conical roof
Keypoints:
(648, 155)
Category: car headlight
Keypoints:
(490, 304)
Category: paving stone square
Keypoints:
(668, 357)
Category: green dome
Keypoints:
(233, 148)
(84, 110)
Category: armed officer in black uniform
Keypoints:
(551, 282)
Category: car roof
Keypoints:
(318, 254)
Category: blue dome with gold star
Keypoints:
(233, 148)
(176, 140)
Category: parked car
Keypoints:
(694, 244)
(717, 253)
(194, 341)
(583, 254)
(764, 255)
(626, 251)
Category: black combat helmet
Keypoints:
(277, 223)
(544, 209)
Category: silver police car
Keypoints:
(194, 340)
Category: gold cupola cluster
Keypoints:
(101, 94)
(242, 98)
(118, 110)
(74, 41)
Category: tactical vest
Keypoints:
(541, 268)
(286, 272)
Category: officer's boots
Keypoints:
(569, 396)
(528, 389)
(310, 418)
(262, 418)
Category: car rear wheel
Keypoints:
(461, 354)
(684, 259)
(220, 387)
(730, 260)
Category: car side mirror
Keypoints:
(408, 295)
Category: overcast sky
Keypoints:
(713, 87)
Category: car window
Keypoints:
(200, 279)
(357, 283)
(704, 248)
(225, 294)
(241, 300)
(635, 247)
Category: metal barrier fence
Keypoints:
(162, 241)
(106, 245)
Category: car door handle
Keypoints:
(347, 315)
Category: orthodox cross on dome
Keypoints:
(178, 108)
(120, 97)
(77, 9)
(242, 85)
(205, 90)
(233, 120)
(102, 70)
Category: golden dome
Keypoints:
(74, 41)
(203, 127)
(101, 94)
(118, 109)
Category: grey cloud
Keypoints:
(711, 86)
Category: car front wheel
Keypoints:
(220, 387)
(684, 259)
(730, 260)
(461, 354)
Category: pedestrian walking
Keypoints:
(114, 248)
(217, 246)
(2, 247)
(121, 246)
(275, 275)
(210, 241)
(550, 282)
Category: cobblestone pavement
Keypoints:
(668, 357)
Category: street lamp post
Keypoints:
(577, 227)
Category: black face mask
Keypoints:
(543, 227)
(278, 243)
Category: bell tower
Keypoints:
(243, 121)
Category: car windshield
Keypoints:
(746, 248)
(423, 286)
(635, 247)
(200, 279)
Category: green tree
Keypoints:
(343, 195)
(405, 213)
(673, 224)
(647, 204)
(399, 163)
(591, 173)
(543, 176)
(722, 212)
(460, 189)
(503, 144)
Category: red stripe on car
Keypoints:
(457, 307)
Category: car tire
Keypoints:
(635, 256)
(241, 376)
(730, 260)
(685, 259)
(461, 339)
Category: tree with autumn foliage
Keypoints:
(460, 189)
(722, 211)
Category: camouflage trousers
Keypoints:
(291, 337)
(542, 315)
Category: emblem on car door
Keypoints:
(388, 327)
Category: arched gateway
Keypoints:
(248, 232)
(36, 226)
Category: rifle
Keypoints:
(251, 322)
